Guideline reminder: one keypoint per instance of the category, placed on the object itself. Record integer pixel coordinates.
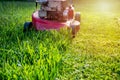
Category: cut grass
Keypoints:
(50, 55)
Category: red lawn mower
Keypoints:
(54, 14)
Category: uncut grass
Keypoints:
(33, 55)
(93, 54)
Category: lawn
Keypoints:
(50, 55)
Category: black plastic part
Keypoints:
(27, 26)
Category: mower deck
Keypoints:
(42, 24)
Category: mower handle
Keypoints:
(36, 5)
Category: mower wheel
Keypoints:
(77, 16)
(75, 26)
(27, 26)
(75, 30)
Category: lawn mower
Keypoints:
(54, 14)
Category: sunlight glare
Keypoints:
(104, 6)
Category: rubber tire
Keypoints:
(27, 26)
(78, 17)
(75, 30)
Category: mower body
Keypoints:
(55, 14)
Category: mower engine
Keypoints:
(55, 10)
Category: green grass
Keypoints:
(50, 55)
